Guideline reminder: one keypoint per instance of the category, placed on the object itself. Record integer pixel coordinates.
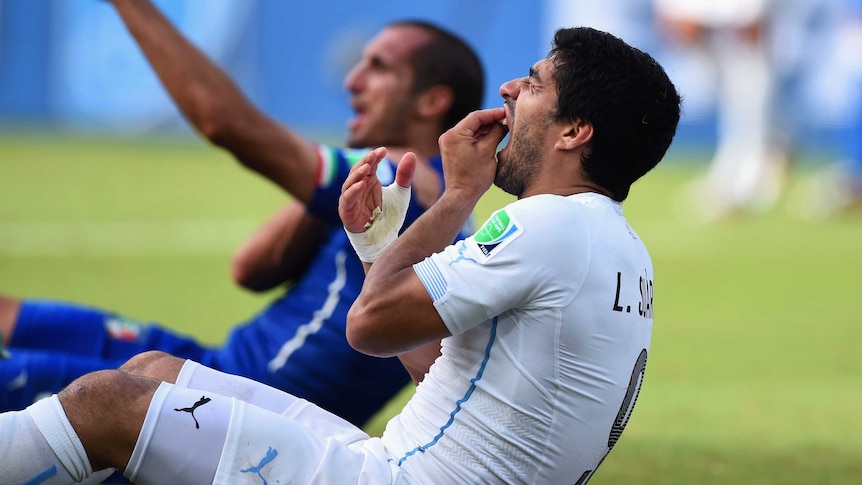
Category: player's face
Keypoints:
(534, 99)
(380, 89)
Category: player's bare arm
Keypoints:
(215, 106)
(361, 196)
(279, 250)
(394, 313)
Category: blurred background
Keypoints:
(755, 374)
(69, 65)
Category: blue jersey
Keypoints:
(310, 356)
(297, 343)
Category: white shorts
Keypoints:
(208, 432)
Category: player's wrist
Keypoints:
(460, 197)
(382, 230)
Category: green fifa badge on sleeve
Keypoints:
(500, 228)
(494, 227)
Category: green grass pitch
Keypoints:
(755, 371)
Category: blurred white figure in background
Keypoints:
(837, 189)
(747, 171)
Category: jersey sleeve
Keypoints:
(511, 262)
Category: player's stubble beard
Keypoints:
(518, 166)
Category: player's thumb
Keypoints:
(405, 170)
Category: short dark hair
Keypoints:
(448, 60)
(625, 94)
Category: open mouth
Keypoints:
(354, 122)
(509, 107)
(358, 116)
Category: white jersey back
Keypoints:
(550, 308)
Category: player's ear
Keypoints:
(435, 101)
(574, 134)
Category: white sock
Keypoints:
(40, 446)
(182, 437)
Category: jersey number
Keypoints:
(624, 413)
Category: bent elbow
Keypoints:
(355, 329)
(241, 275)
(361, 333)
(245, 276)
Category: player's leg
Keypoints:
(192, 436)
(192, 375)
(58, 342)
(742, 166)
(91, 425)
(45, 324)
(155, 431)
(34, 372)
(28, 375)
(197, 376)
(313, 360)
(79, 329)
(268, 447)
(161, 433)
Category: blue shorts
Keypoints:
(56, 342)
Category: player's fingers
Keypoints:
(473, 122)
(490, 135)
(357, 172)
(353, 193)
(350, 207)
(366, 166)
(375, 156)
(405, 170)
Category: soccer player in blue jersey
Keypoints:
(412, 83)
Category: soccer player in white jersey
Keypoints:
(528, 340)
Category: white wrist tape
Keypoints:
(382, 229)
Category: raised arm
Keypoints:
(215, 106)
(394, 313)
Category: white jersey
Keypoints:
(550, 310)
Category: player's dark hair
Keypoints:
(625, 94)
(448, 60)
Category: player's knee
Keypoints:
(91, 386)
(154, 364)
(86, 400)
(108, 407)
(141, 363)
